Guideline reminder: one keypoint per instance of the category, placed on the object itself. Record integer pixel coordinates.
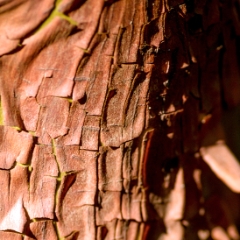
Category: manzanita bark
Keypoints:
(110, 119)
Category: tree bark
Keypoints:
(111, 119)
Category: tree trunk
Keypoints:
(111, 119)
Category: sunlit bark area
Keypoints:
(111, 119)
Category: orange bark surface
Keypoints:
(105, 106)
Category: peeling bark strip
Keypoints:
(106, 110)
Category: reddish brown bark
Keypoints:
(111, 119)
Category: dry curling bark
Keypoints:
(110, 119)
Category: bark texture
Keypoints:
(110, 119)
